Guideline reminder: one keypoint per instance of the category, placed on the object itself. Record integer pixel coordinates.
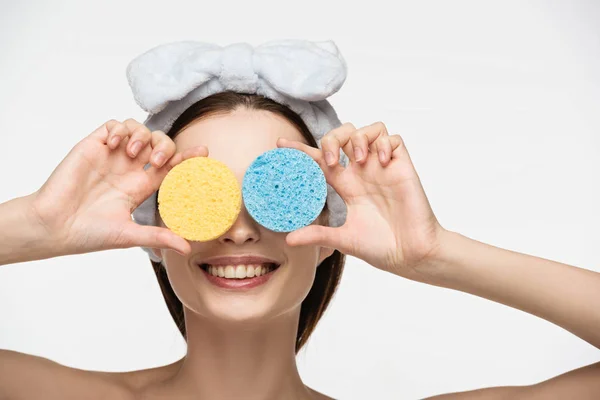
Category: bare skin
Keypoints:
(25, 376)
(385, 200)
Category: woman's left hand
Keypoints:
(390, 223)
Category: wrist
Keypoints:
(48, 242)
(23, 237)
(440, 267)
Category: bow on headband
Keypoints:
(299, 69)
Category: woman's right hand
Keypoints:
(86, 204)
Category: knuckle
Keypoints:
(119, 129)
(167, 149)
(399, 140)
(162, 138)
(382, 141)
(380, 125)
(131, 121)
(358, 136)
(319, 157)
(141, 132)
(160, 134)
(342, 130)
(160, 236)
(328, 140)
(169, 145)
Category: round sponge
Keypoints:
(284, 189)
(199, 199)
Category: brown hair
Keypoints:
(329, 272)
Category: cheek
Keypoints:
(180, 279)
(302, 270)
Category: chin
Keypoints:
(237, 311)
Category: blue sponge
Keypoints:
(284, 189)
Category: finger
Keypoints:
(320, 235)
(163, 148)
(157, 175)
(364, 137)
(360, 146)
(116, 134)
(334, 140)
(139, 136)
(397, 147)
(400, 155)
(154, 236)
(384, 133)
(101, 133)
(198, 151)
(383, 148)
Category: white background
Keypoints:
(497, 103)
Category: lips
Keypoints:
(241, 271)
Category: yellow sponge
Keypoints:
(199, 199)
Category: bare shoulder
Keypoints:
(25, 376)
(317, 395)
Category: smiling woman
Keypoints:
(246, 289)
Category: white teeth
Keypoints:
(239, 271)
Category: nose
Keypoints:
(244, 230)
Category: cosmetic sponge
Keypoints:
(199, 199)
(284, 189)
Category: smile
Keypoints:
(243, 276)
(239, 271)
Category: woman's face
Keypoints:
(237, 139)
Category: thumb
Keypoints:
(319, 235)
(157, 237)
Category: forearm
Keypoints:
(22, 238)
(565, 295)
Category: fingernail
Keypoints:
(115, 140)
(135, 148)
(358, 153)
(381, 155)
(159, 158)
(329, 158)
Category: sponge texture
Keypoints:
(199, 199)
(284, 189)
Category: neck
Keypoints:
(240, 361)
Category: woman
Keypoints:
(242, 342)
